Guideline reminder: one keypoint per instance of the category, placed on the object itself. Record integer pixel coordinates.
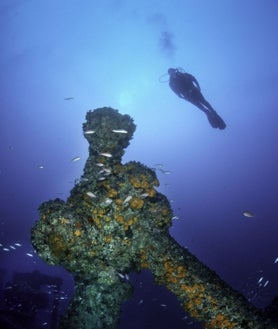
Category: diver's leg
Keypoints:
(196, 98)
(199, 105)
(214, 119)
(201, 99)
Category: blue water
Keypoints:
(112, 53)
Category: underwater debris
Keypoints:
(124, 229)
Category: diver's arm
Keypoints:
(174, 89)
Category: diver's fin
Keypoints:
(216, 121)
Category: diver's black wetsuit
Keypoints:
(187, 87)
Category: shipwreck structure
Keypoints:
(115, 222)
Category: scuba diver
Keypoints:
(187, 87)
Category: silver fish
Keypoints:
(165, 172)
(108, 201)
(127, 199)
(89, 132)
(75, 159)
(248, 214)
(266, 283)
(105, 154)
(91, 194)
(120, 131)
(260, 279)
(121, 275)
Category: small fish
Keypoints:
(6, 249)
(248, 214)
(159, 165)
(107, 170)
(8, 288)
(108, 201)
(119, 131)
(18, 244)
(140, 302)
(276, 260)
(127, 277)
(99, 164)
(175, 217)
(89, 132)
(121, 275)
(260, 279)
(163, 305)
(107, 155)
(144, 195)
(12, 247)
(91, 194)
(75, 159)
(101, 178)
(165, 172)
(266, 283)
(30, 255)
(68, 98)
(127, 199)
(40, 166)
